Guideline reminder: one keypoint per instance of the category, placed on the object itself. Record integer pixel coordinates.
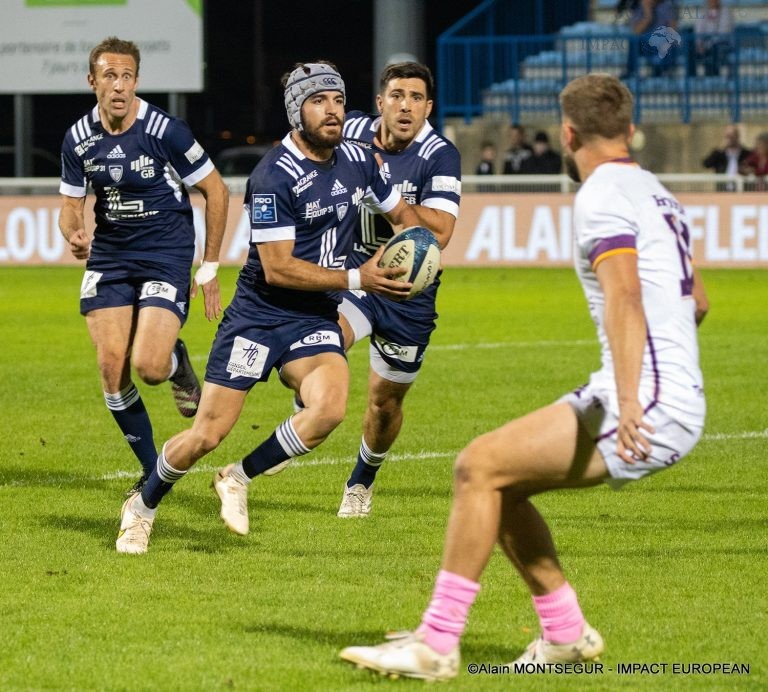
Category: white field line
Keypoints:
(336, 461)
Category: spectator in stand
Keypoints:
(714, 27)
(518, 151)
(756, 164)
(543, 161)
(654, 22)
(728, 157)
(487, 165)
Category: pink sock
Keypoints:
(560, 616)
(445, 617)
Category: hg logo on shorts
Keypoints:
(263, 208)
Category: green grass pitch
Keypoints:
(671, 570)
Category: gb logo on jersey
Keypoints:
(384, 172)
(144, 166)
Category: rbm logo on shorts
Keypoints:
(263, 208)
(158, 289)
(323, 337)
(389, 348)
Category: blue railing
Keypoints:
(521, 76)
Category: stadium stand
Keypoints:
(518, 77)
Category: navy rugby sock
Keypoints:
(132, 418)
(368, 464)
(160, 482)
(281, 445)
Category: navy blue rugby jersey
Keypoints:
(427, 172)
(290, 197)
(142, 208)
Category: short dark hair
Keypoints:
(112, 44)
(408, 70)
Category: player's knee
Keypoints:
(205, 439)
(327, 412)
(386, 409)
(474, 467)
(150, 371)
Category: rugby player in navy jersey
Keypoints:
(302, 200)
(136, 288)
(426, 168)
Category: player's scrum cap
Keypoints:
(311, 78)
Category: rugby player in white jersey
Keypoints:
(302, 200)
(640, 413)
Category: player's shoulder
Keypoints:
(156, 123)
(429, 144)
(361, 128)
(83, 128)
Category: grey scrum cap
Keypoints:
(311, 78)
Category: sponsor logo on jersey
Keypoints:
(116, 153)
(263, 208)
(446, 183)
(194, 153)
(304, 183)
(144, 166)
(116, 172)
(90, 167)
(341, 210)
(384, 171)
(407, 354)
(84, 146)
(408, 190)
(313, 210)
(247, 358)
(338, 188)
(358, 196)
(319, 338)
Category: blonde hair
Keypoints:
(598, 105)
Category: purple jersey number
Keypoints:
(683, 238)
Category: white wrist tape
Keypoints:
(353, 279)
(206, 272)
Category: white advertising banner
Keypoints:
(727, 229)
(44, 44)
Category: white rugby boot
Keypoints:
(588, 647)
(135, 527)
(405, 654)
(234, 500)
(356, 501)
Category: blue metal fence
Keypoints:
(521, 76)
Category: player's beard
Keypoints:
(571, 168)
(316, 139)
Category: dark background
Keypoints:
(242, 93)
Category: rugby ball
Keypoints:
(415, 249)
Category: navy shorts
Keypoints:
(399, 332)
(111, 284)
(254, 338)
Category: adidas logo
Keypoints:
(338, 188)
(116, 153)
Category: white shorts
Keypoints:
(671, 440)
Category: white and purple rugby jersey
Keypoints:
(427, 172)
(623, 208)
(142, 209)
(290, 197)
